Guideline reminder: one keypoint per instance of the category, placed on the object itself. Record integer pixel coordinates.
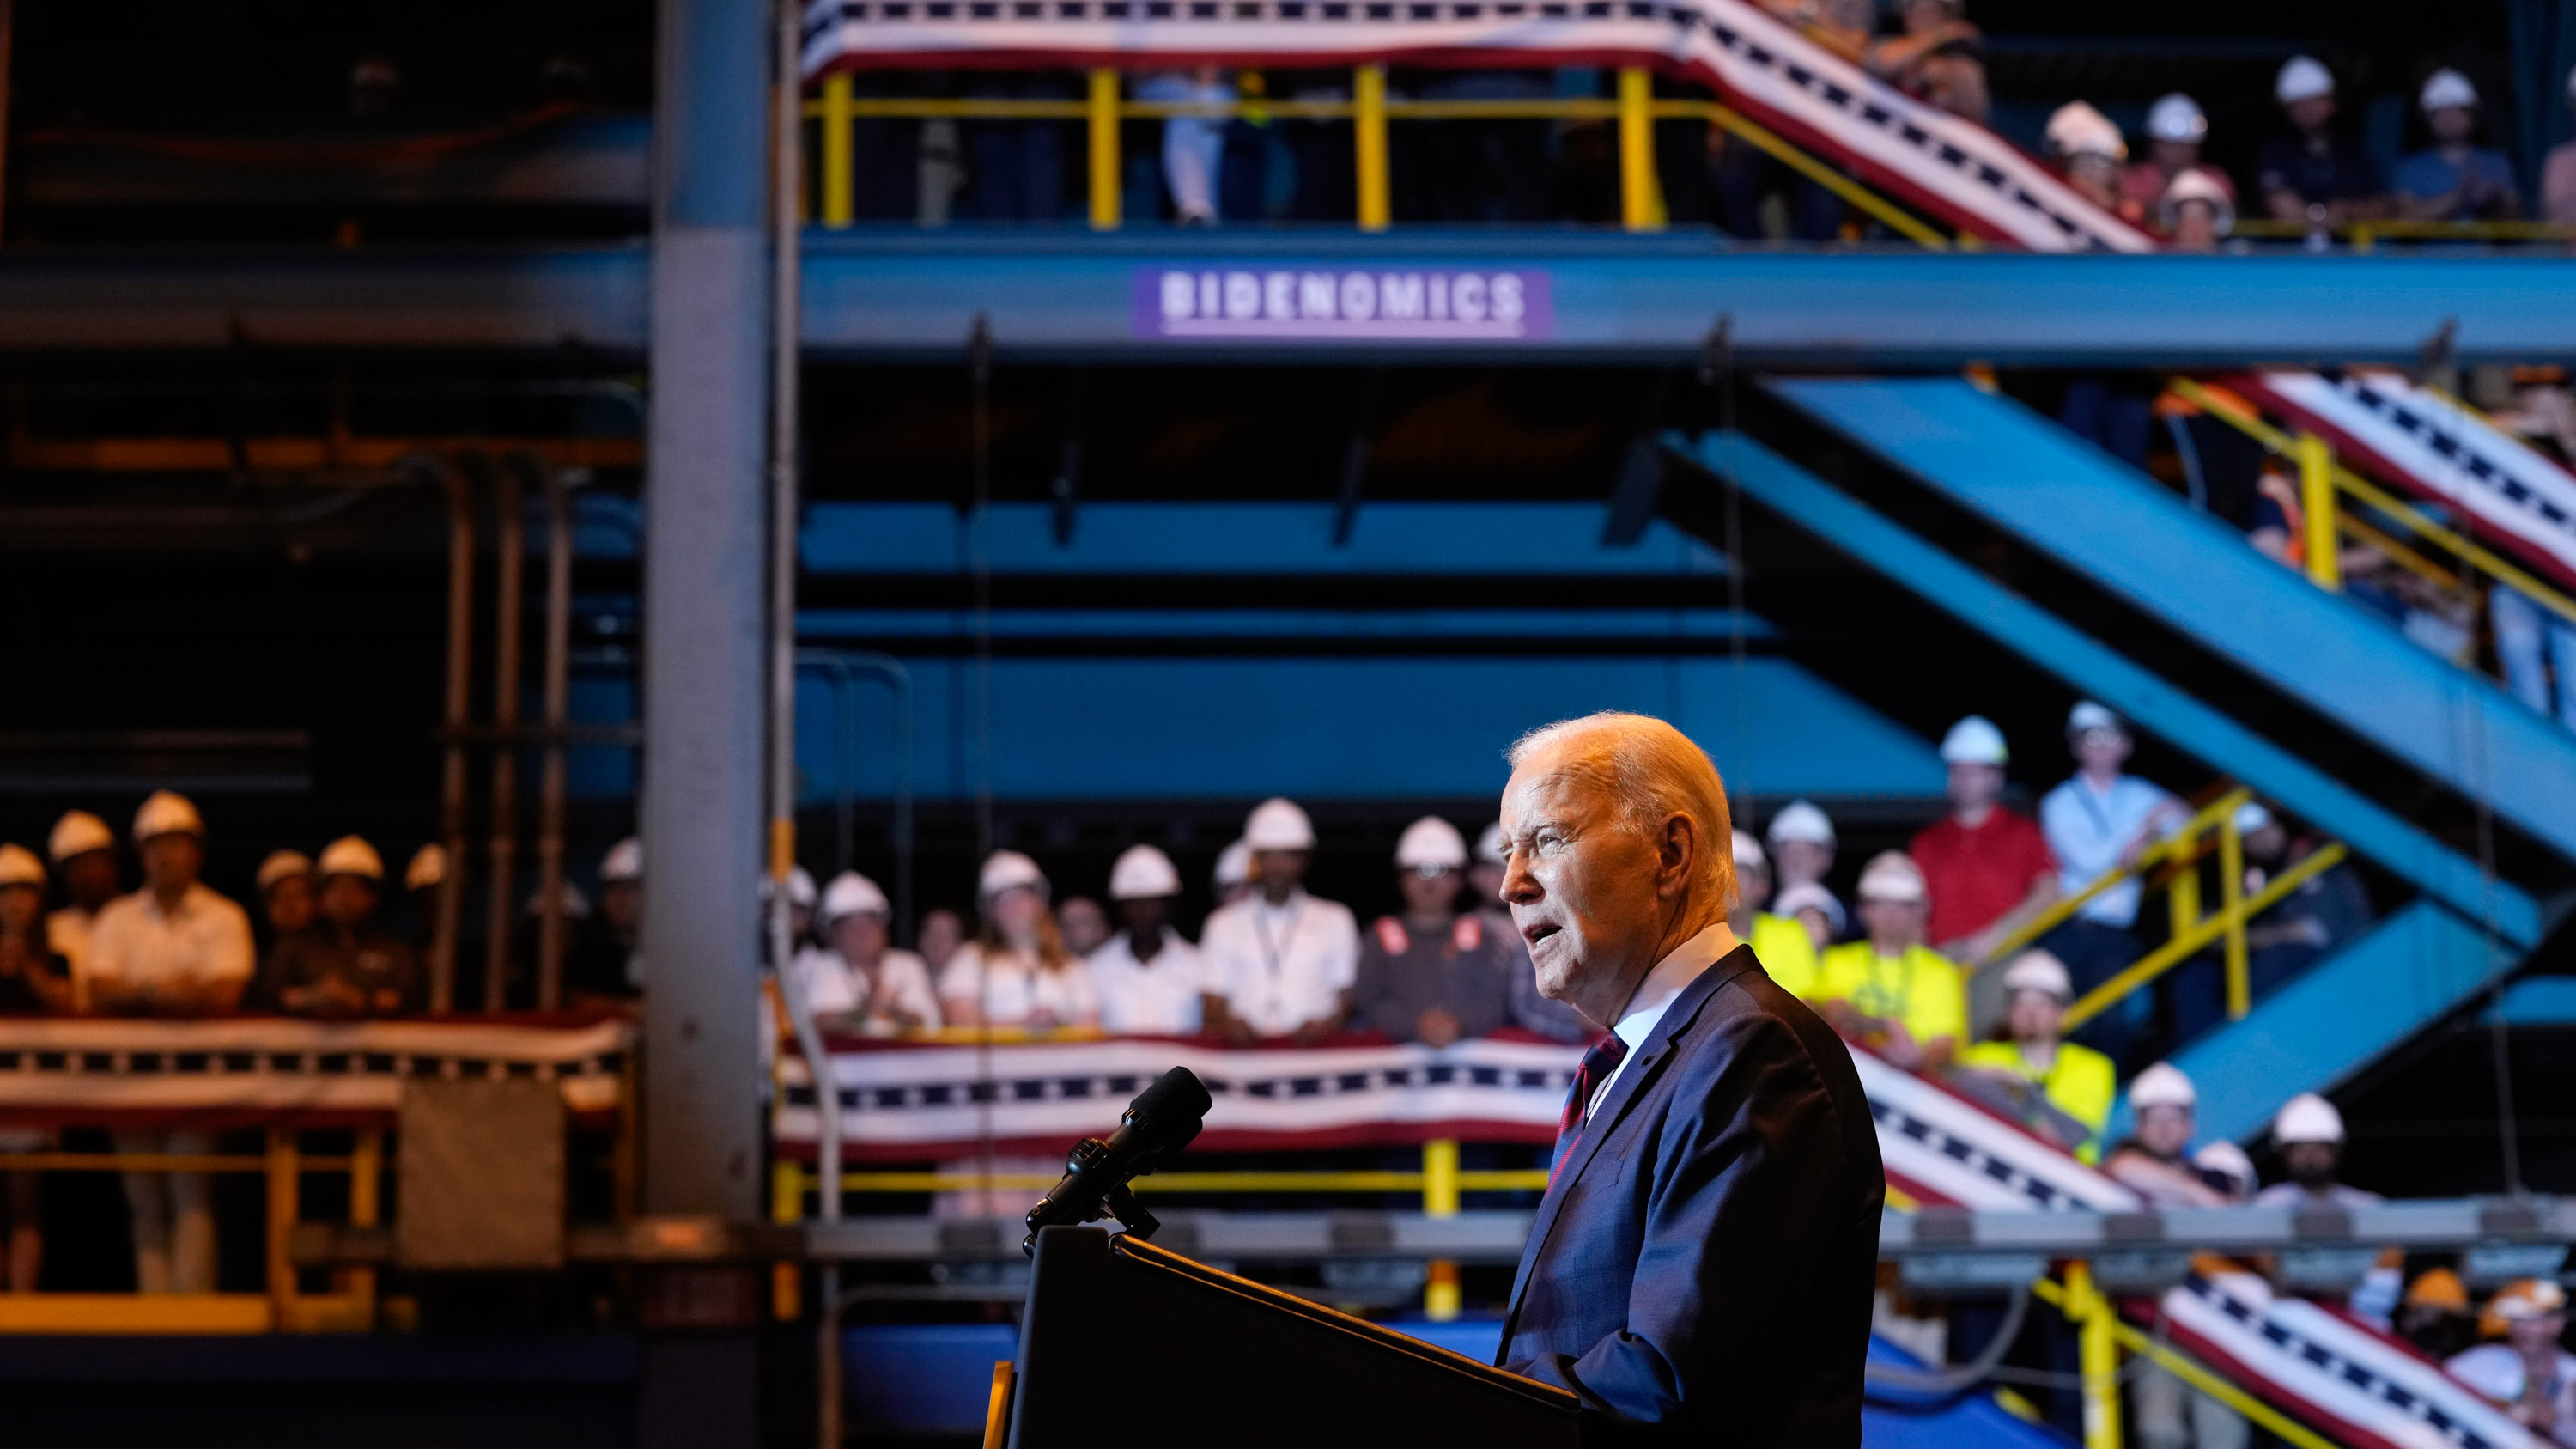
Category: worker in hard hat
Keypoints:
(1780, 943)
(2196, 212)
(83, 850)
(33, 978)
(1232, 878)
(1434, 974)
(2528, 1375)
(1531, 1011)
(2454, 179)
(2154, 1161)
(2311, 173)
(424, 876)
(1802, 844)
(1986, 864)
(941, 936)
(1151, 980)
(1084, 924)
(1889, 991)
(2434, 1315)
(1017, 971)
(287, 891)
(606, 961)
(2074, 1084)
(2176, 130)
(2103, 819)
(2091, 154)
(344, 965)
(2309, 1132)
(173, 948)
(1282, 960)
(856, 981)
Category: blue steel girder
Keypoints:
(911, 295)
(2106, 675)
(2135, 538)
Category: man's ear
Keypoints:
(1676, 855)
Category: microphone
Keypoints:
(1158, 1124)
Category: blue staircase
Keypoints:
(2345, 1011)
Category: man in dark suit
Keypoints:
(1702, 1264)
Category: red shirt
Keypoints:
(1977, 875)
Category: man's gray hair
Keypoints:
(1654, 772)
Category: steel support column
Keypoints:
(705, 565)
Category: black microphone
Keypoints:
(1163, 1119)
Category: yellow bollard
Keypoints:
(786, 1205)
(1377, 194)
(1104, 150)
(1440, 1297)
(1641, 202)
(2231, 905)
(2098, 1355)
(839, 162)
(2317, 500)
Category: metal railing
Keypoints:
(2364, 236)
(1635, 109)
(2173, 864)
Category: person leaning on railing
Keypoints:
(855, 981)
(1432, 975)
(2064, 1091)
(1150, 979)
(1017, 971)
(1891, 992)
(33, 978)
(2528, 1375)
(343, 964)
(2455, 179)
(2099, 820)
(1280, 962)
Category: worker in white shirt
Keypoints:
(855, 981)
(1802, 852)
(2309, 1132)
(2528, 1375)
(173, 948)
(1233, 873)
(2099, 820)
(1016, 972)
(83, 850)
(1282, 960)
(1151, 982)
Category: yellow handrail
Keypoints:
(2283, 444)
(2181, 1365)
(2229, 921)
(2064, 908)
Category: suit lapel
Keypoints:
(1631, 1088)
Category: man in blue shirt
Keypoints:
(2098, 821)
(2453, 179)
(2310, 173)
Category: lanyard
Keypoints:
(1276, 956)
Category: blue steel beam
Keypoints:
(2085, 663)
(2120, 529)
(2338, 1017)
(1323, 627)
(911, 295)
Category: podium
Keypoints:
(1124, 1343)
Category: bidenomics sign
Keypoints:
(1343, 304)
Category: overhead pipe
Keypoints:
(510, 565)
(558, 701)
(460, 663)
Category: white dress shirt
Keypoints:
(1655, 994)
(1014, 989)
(833, 988)
(1279, 967)
(1149, 998)
(134, 943)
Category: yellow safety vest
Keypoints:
(2080, 1083)
(1921, 988)
(1786, 951)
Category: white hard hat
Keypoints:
(2177, 117)
(2307, 1117)
(2527, 1298)
(1975, 741)
(428, 868)
(2446, 89)
(2223, 1156)
(1431, 843)
(1892, 875)
(800, 887)
(2086, 715)
(2303, 78)
(2076, 129)
(1009, 870)
(166, 812)
(2039, 971)
(2250, 817)
(1143, 873)
(350, 855)
(852, 894)
(624, 861)
(1234, 864)
(19, 867)
(1806, 895)
(78, 833)
(2195, 183)
(1489, 846)
(277, 865)
(1748, 851)
(1800, 820)
(2162, 1085)
(1277, 824)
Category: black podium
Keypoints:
(1126, 1344)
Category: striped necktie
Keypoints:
(1595, 1068)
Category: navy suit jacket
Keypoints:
(1704, 1261)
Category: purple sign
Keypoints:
(1344, 304)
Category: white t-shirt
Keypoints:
(1017, 990)
(2089, 830)
(901, 988)
(1149, 998)
(206, 941)
(1279, 967)
(2495, 1372)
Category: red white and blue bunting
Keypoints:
(1951, 168)
(1942, 1149)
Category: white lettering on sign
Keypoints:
(1344, 304)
